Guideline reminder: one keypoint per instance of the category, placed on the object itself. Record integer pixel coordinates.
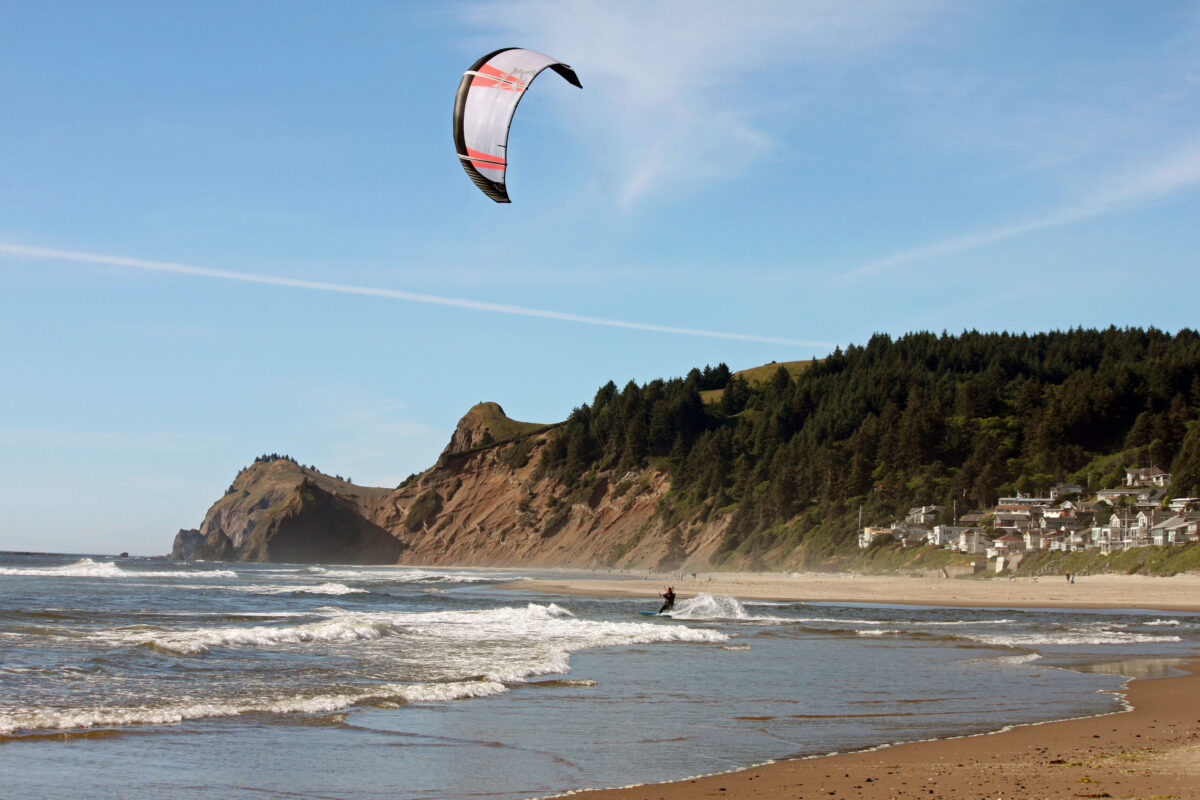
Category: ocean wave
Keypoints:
(450, 655)
(324, 588)
(1018, 659)
(1069, 638)
(15, 721)
(520, 643)
(413, 575)
(200, 641)
(87, 568)
(915, 623)
(550, 626)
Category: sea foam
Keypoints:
(87, 568)
(41, 719)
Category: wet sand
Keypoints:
(1152, 751)
(1178, 593)
(1149, 751)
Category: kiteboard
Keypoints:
(653, 614)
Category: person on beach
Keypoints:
(668, 599)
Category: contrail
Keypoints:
(391, 294)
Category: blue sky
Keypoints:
(236, 228)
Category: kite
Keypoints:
(483, 110)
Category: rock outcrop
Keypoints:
(314, 526)
(187, 542)
(485, 503)
(472, 430)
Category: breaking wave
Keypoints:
(87, 568)
(328, 588)
(383, 695)
(1074, 637)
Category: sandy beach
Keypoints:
(1177, 593)
(1151, 750)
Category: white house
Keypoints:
(922, 515)
(1139, 494)
(946, 535)
(974, 541)
(1025, 500)
(868, 536)
(1006, 545)
(1147, 476)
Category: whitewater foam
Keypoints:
(1078, 637)
(87, 568)
(329, 588)
(116, 716)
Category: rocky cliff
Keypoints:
(485, 503)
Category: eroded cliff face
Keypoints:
(314, 526)
(490, 507)
(482, 504)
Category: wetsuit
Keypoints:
(670, 601)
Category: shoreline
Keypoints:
(1150, 749)
(1179, 593)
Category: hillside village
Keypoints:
(1137, 514)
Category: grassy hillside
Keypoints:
(503, 429)
(756, 376)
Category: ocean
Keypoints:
(140, 678)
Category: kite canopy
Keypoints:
(483, 110)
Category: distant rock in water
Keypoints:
(187, 542)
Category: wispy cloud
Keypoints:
(666, 82)
(44, 253)
(1135, 187)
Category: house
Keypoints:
(1148, 476)
(1079, 540)
(1124, 530)
(945, 535)
(1114, 497)
(1143, 523)
(1054, 541)
(908, 534)
(923, 515)
(1178, 529)
(1185, 504)
(868, 536)
(1034, 539)
(1014, 517)
(973, 541)
(1025, 501)
(1062, 489)
(1006, 545)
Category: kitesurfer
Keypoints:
(668, 600)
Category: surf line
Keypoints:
(51, 254)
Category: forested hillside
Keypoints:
(955, 421)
